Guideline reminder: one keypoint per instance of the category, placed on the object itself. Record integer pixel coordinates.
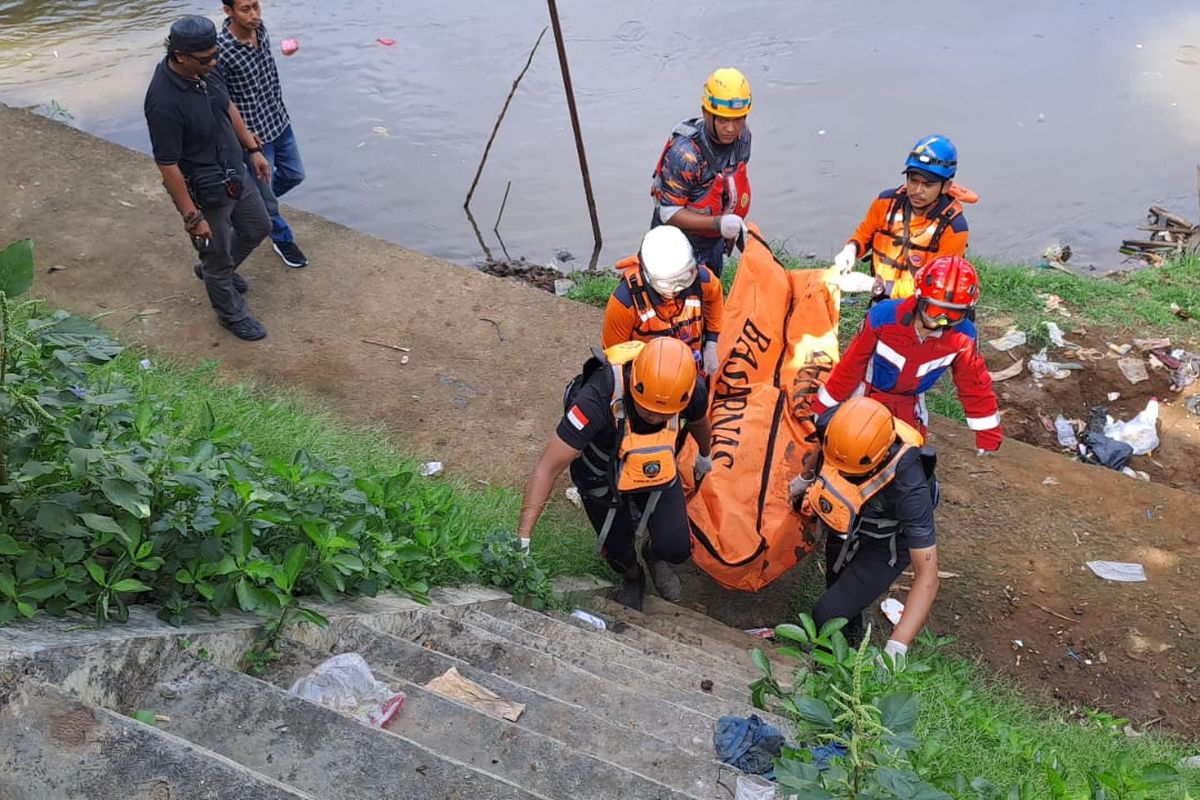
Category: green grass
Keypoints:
(279, 422)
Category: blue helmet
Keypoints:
(935, 155)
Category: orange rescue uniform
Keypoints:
(635, 312)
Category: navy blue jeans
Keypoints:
(287, 171)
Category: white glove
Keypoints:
(897, 651)
(844, 260)
(702, 467)
(732, 226)
(524, 544)
(709, 356)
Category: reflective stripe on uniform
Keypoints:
(983, 423)
(937, 363)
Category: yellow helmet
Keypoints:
(726, 93)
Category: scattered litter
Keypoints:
(1114, 396)
(1123, 571)
(572, 495)
(430, 468)
(1191, 762)
(1097, 448)
(1052, 302)
(1140, 433)
(1182, 313)
(404, 359)
(386, 42)
(1041, 367)
(563, 286)
(1120, 349)
(126, 203)
(590, 619)
(1056, 334)
(1146, 345)
(1013, 338)
(1011, 371)
(751, 787)
(1064, 429)
(761, 633)
(144, 364)
(1017, 644)
(1133, 368)
(344, 683)
(748, 744)
(56, 268)
(1087, 353)
(1074, 656)
(379, 129)
(1136, 473)
(1192, 404)
(289, 46)
(453, 685)
(1050, 480)
(892, 609)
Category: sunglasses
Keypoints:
(203, 61)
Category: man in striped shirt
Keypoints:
(253, 81)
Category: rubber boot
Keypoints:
(666, 580)
(633, 588)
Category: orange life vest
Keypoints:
(728, 181)
(681, 317)
(904, 244)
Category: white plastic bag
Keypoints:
(344, 683)
(1140, 433)
(752, 788)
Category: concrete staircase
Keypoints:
(623, 713)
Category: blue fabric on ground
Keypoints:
(749, 744)
(823, 752)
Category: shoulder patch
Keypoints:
(577, 418)
(622, 294)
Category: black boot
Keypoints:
(666, 580)
(633, 588)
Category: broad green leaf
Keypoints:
(898, 712)
(293, 563)
(1158, 774)
(96, 571)
(9, 546)
(126, 495)
(16, 268)
(55, 519)
(130, 585)
(815, 711)
(761, 661)
(26, 610)
(308, 615)
(8, 587)
(73, 551)
(103, 524)
(793, 632)
(247, 601)
(42, 590)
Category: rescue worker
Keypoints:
(618, 437)
(700, 183)
(874, 499)
(908, 227)
(904, 346)
(664, 293)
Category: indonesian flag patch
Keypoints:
(577, 418)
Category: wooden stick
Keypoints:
(503, 203)
(388, 346)
(487, 148)
(1054, 613)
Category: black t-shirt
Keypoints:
(907, 499)
(189, 122)
(589, 420)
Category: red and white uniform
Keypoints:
(888, 361)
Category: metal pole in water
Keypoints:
(583, 167)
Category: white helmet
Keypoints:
(667, 260)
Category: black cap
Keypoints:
(192, 34)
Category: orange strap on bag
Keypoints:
(780, 329)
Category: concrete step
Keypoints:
(629, 705)
(508, 750)
(691, 627)
(302, 744)
(661, 679)
(55, 747)
(593, 731)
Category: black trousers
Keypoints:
(669, 530)
(238, 226)
(861, 582)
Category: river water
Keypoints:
(1071, 118)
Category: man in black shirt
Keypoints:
(874, 497)
(618, 437)
(198, 139)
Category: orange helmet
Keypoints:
(947, 289)
(663, 376)
(859, 436)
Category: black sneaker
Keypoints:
(292, 255)
(239, 283)
(632, 589)
(249, 329)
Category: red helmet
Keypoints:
(947, 289)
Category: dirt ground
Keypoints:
(481, 390)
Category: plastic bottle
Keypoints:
(1065, 431)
